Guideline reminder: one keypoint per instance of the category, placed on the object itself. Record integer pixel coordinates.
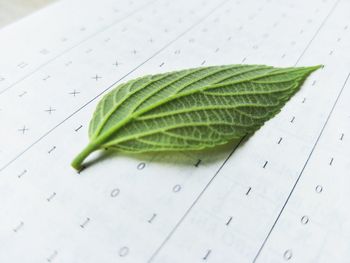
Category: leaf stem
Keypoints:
(78, 160)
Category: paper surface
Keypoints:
(282, 196)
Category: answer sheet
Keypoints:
(282, 196)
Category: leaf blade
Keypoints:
(191, 109)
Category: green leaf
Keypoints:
(190, 109)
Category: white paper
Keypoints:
(281, 196)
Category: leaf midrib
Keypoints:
(192, 124)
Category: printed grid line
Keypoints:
(320, 134)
